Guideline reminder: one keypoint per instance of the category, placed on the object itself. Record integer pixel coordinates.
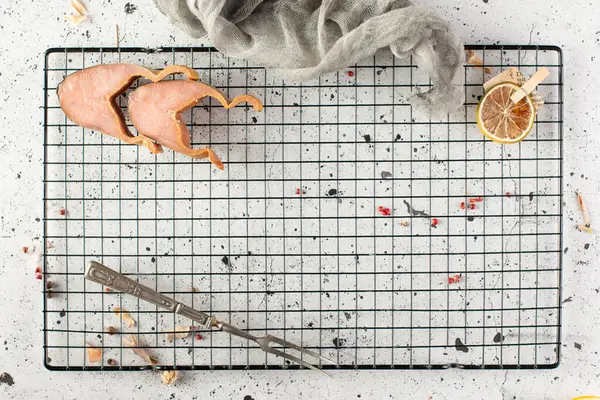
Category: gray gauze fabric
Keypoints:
(306, 38)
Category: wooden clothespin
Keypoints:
(508, 75)
(530, 84)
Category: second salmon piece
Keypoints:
(89, 97)
(155, 110)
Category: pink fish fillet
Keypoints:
(155, 110)
(88, 97)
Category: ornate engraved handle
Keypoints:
(103, 275)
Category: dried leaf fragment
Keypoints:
(125, 317)
(168, 377)
(111, 330)
(475, 61)
(75, 19)
(80, 8)
(49, 291)
(181, 332)
(94, 354)
(404, 223)
(140, 351)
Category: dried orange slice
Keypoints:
(502, 120)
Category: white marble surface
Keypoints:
(27, 30)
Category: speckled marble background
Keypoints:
(28, 31)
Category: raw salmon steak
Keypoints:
(155, 110)
(88, 97)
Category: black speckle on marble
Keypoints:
(7, 379)
(339, 342)
(225, 260)
(498, 338)
(460, 346)
(414, 212)
(130, 8)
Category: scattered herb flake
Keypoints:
(181, 332)
(168, 377)
(94, 354)
(140, 351)
(125, 317)
(585, 228)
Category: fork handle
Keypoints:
(103, 275)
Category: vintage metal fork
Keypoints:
(103, 275)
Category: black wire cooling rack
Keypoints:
(289, 239)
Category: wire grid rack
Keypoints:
(288, 240)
